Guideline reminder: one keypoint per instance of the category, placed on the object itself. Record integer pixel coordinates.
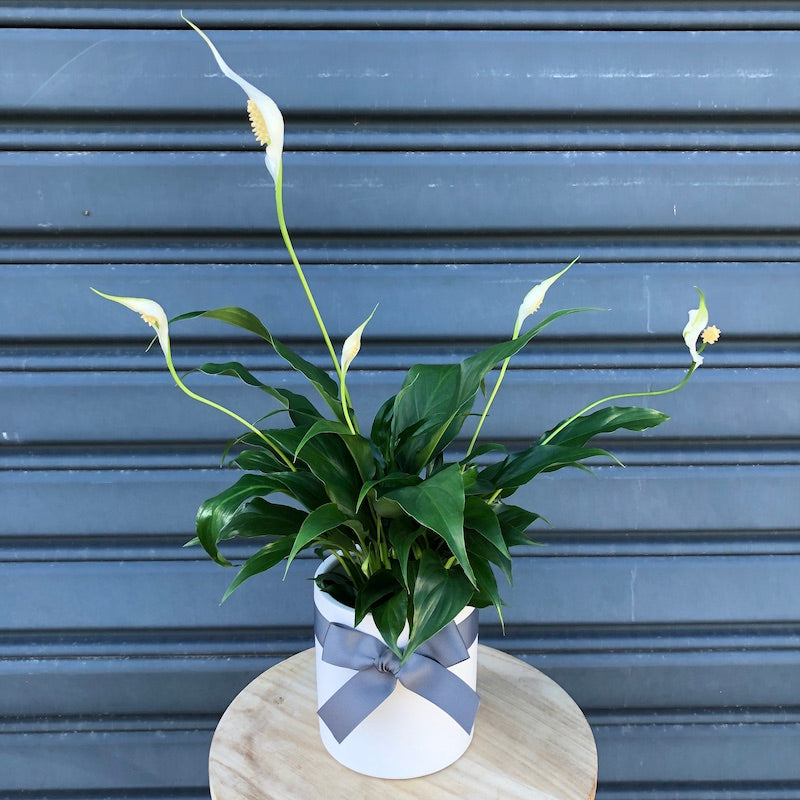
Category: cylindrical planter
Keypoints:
(406, 735)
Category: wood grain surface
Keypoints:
(531, 741)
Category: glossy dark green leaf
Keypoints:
(390, 618)
(264, 559)
(319, 521)
(439, 595)
(359, 447)
(514, 521)
(606, 420)
(382, 428)
(378, 587)
(478, 547)
(339, 586)
(488, 586)
(329, 459)
(301, 410)
(438, 504)
(386, 483)
(216, 512)
(260, 517)
(442, 396)
(519, 468)
(261, 460)
(240, 318)
(480, 516)
(402, 534)
(303, 486)
(482, 450)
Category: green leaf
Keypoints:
(393, 480)
(488, 587)
(443, 395)
(264, 559)
(481, 450)
(382, 428)
(438, 503)
(439, 595)
(390, 618)
(329, 459)
(259, 517)
(338, 586)
(478, 547)
(402, 534)
(580, 430)
(319, 521)
(259, 461)
(519, 468)
(480, 517)
(359, 447)
(240, 318)
(514, 521)
(301, 410)
(303, 487)
(216, 512)
(378, 587)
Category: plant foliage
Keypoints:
(418, 532)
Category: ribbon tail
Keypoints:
(350, 705)
(432, 681)
(450, 646)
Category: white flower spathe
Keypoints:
(698, 320)
(352, 344)
(150, 311)
(530, 305)
(265, 116)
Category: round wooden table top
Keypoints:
(531, 742)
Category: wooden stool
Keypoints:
(531, 743)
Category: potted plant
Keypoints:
(413, 532)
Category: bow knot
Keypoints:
(425, 672)
(387, 661)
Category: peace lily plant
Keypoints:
(417, 528)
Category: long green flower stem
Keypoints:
(608, 399)
(496, 388)
(653, 393)
(184, 388)
(307, 289)
(351, 423)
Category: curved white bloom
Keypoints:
(530, 305)
(698, 320)
(265, 116)
(352, 344)
(150, 311)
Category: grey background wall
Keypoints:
(441, 157)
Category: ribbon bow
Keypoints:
(425, 673)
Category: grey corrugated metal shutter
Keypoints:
(441, 158)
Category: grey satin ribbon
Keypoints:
(425, 673)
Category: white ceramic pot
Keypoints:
(406, 736)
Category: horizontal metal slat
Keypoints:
(368, 72)
(400, 193)
(644, 300)
(446, 14)
(628, 755)
(746, 498)
(423, 14)
(698, 753)
(636, 684)
(426, 133)
(551, 591)
(147, 407)
(93, 761)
